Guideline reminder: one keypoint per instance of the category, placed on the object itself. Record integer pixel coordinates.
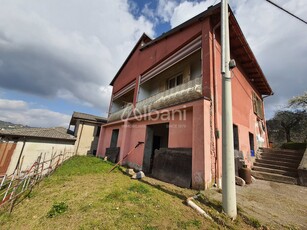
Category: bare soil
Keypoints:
(275, 205)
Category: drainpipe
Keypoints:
(216, 134)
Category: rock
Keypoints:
(130, 172)
(105, 158)
(138, 175)
(240, 181)
(253, 179)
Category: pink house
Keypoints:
(168, 95)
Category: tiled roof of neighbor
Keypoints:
(88, 117)
(49, 133)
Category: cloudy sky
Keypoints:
(59, 56)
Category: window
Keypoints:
(174, 81)
(258, 106)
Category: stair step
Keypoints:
(264, 165)
(278, 158)
(283, 151)
(283, 155)
(275, 171)
(278, 162)
(274, 177)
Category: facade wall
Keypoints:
(33, 149)
(189, 127)
(142, 60)
(87, 140)
(243, 113)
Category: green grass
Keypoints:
(81, 194)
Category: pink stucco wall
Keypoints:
(243, 114)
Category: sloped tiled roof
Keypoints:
(48, 133)
(87, 117)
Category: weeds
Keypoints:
(57, 209)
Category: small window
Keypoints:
(175, 81)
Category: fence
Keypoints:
(14, 185)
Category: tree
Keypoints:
(290, 124)
(299, 102)
(289, 121)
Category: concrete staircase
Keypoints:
(277, 165)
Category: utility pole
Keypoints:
(228, 164)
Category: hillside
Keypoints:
(9, 125)
(81, 194)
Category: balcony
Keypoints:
(185, 92)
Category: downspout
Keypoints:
(216, 135)
(79, 138)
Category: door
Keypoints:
(156, 138)
(6, 152)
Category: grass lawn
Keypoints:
(81, 194)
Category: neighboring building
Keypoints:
(168, 94)
(29, 144)
(87, 131)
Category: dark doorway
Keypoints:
(114, 138)
(235, 137)
(251, 143)
(156, 138)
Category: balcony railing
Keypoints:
(179, 94)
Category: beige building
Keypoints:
(87, 131)
(26, 145)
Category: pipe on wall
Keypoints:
(217, 160)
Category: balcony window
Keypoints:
(175, 81)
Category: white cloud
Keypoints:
(12, 105)
(20, 112)
(186, 10)
(66, 49)
(165, 9)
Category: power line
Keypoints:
(286, 11)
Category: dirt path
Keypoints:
(275, 205)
